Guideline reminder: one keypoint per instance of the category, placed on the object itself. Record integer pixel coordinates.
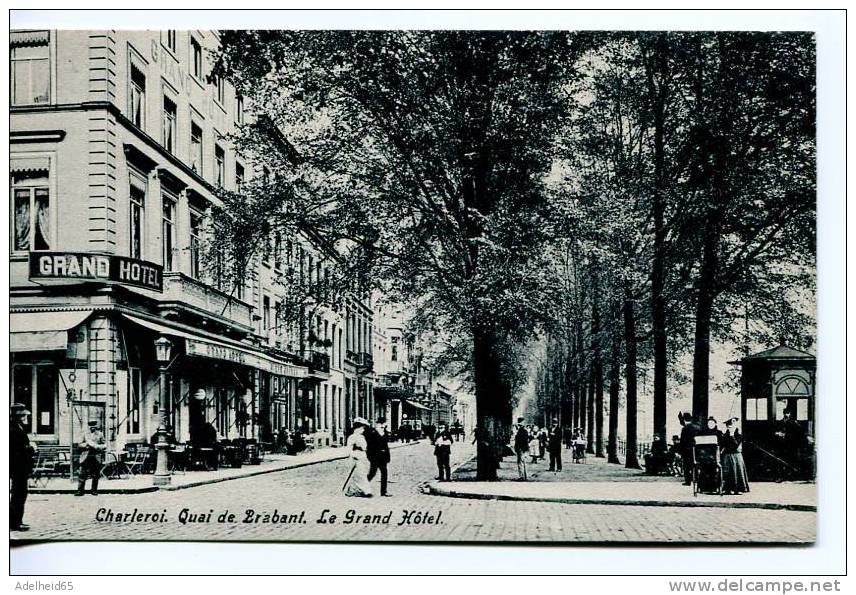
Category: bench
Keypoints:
(51, 460)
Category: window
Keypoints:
(196, 220)
(30, 68)
(239, 175)
(220, 83)
(195, 148)
(31, 211)
(171, 38)
(136, 214)
(221, 398)
(169, 124)
(168, 230)
(35, 386)
(135, 393)
(239, 109)
(220, 267)
(137, 97)
(277, 249)
(265, 314)
(219, 165)
(756, 409)
(196, 52)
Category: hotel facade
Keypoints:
(118, 142)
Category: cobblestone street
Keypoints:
(309, 497)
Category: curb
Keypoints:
(433, 490)
(173, 488)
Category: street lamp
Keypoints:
(163, 347)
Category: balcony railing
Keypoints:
(366, 360)
(319, 362)
(178, 287)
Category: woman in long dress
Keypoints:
(734, 477)
(358, 483)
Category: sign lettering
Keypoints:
(84, 266)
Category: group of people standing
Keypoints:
(534, 442)
(368, 450)
(735, 480)
(22, 455)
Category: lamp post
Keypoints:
(163, 347)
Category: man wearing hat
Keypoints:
(688, 434)
(92, 449)
(554, 445)
(521, 447)
(378, 453)
(20, 465)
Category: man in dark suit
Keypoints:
(20, 465)
(554, 445)
(92, 449)
(688, 434)
(377, 452)
(521, 447)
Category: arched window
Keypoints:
(792, 386)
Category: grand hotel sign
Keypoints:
(47, 267)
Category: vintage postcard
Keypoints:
(413, 286)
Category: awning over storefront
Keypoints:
(198, 345)
(42, 331)
(416, 405)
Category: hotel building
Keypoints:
(118, 141)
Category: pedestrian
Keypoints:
(21, 454)
(92, 449)
(357, 483)
(555, 447)
(579, 446)
(688, 433)
(735, 480)
(378, 453)
(792, 444)
(542, 443)
(534, 444)
(443, 452)
(521, 448)
(569, 437)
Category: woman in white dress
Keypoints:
(358, 483)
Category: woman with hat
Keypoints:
(357, 483)
(735, 480)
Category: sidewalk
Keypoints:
(138, 484)
(598, 482)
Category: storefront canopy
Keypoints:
(199, 345)
(42, 331)
(416, 405)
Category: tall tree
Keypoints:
(426, 150)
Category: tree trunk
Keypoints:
(590, 412)
(659, 92)
(568, 395)
(631, 460)
(581, 383)
(614, 387)
(598, 387)
(598, 381)
(704, 313)
(492, 402)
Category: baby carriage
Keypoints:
(707, 469)
(579, 451)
